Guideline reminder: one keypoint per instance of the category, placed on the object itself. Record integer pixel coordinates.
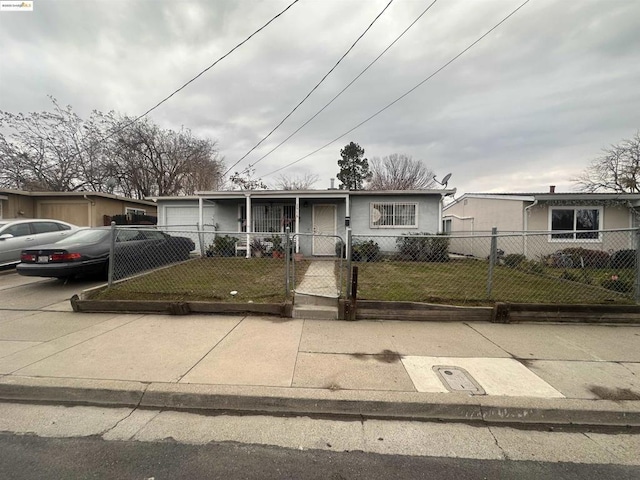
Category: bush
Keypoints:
(617, 285)
(418, 247)
(581, 257)
(514, 260)
(624, 259)
(365, 251)
(223, 246)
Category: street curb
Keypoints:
(306, 401)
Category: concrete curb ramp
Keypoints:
(364, 404)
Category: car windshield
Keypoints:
(84, 236)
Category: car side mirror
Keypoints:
(5, 236)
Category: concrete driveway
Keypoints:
(36, 293)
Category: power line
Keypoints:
(403, 95)
(128, 124)
(312, 90)
(345, 88)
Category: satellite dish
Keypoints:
(444, 181)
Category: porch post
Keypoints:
(297, 231)
(201, 212)
(249, 223)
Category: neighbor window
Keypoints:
(393, 215)
(134, 211)
(575, 223)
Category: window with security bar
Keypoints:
(394, 215)
(270, 218)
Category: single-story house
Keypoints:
(85, 209)
(305, 212)
(568, 219)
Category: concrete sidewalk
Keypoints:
(549, 374)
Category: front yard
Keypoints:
(458, 282)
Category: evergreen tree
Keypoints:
(354, 168)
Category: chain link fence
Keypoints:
(191, 263)
(198, 264)
(544, 267)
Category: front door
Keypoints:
(324, 223)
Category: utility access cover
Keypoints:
(457, 379)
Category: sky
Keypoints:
(528, 106)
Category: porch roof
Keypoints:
(291, 194)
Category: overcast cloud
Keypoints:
(526, 108)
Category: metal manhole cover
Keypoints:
(457, 379)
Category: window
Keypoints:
(269, 218)
(576, 224)
(44, 227)
(446, 225)
(19, 230)
(134, 211)
(394, 215)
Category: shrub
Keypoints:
(532, 266)
(624, 259)
(514, 260)
(223, 246)
(365, 251)
(617, 285)
(582, 257)
(418, 247)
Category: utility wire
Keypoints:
(403, 95)
(312, 90)
(345, 88)
(128, 124)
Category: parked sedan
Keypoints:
(18, 234)
(86, 252)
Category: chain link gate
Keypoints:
(316, 281)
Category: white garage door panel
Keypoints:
(183, 221)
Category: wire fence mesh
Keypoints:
(196, 264)
(191, 263)
(542, 267)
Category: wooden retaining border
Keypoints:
(531, 312)
(179, 308)
(375, 310)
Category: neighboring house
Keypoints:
(306, 212)
(85, 209)
(573, 216)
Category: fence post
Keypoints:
(637, 292)
(200, 238)
(287, 261)
(112, 256)
(347, 250)
(492, 259)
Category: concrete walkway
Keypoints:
(549, 374)
(320, 279)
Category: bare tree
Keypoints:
(147, 160)
(399, 172)
(59, 151)
(616, 170)
(304, 182)
(246, 180)
(53, 151)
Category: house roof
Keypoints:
(331, 193)
(633, 198)
(74, 194)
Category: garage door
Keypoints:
(183, 221)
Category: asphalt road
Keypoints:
(30, 457)
(35, 293)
